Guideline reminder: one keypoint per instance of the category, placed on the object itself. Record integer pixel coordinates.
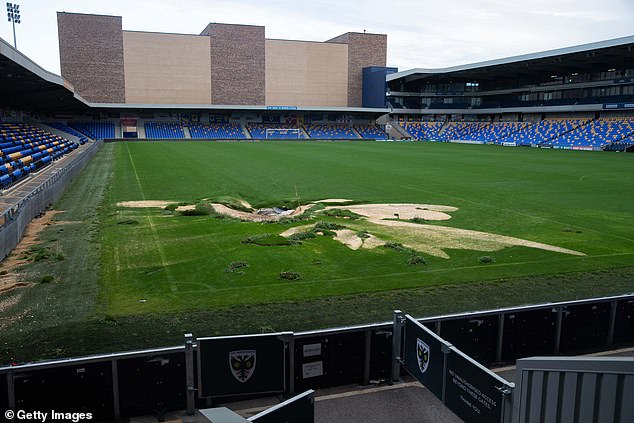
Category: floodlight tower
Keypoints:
(13, 14)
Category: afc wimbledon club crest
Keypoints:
(242, 364)
(422, 353)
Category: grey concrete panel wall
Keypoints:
(237, 64)
(364, 50)
(91, 55)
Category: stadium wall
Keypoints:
(166, 68)
(237, 63)
(91, 55)
(364, 50)
(304, 73)
(225, 65)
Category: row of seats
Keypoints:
(597, 133)
(427, 131)
(544, 132)
(65, 128)
(215, 131)
(372, 132)
(95, 130)
(569, 133)
(164, 130)
(333, 131)
(25, 148)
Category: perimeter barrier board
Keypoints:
(241, 365)
(329, 359)
(470, 390)
(4, 392)
(528, 333)
(585, 327)
(76, 388)
(475, 336)
(624, 322)
(473, 392)
(381, 354)
(424, 355)
(152, 385)
(299, 409)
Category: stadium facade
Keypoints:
(225, 64)
(591, 77)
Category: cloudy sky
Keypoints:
(421, 33)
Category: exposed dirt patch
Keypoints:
(154, 204)
(296, 229)
(187, 207)
(433, 239)
(348, 238)
(144, 204)
(15, 259)
(400, 211)
(352, 240)
(254, 216)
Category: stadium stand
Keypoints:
(65, 128)
(94, 130)
(164, 130)
(597, 133)
(215, 131)
(492, 132)
(544, 132)
(259, 131)
(24, 149)
(425, 131)
(334, 131)
(460, 130)
(372, 132)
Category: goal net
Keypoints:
(279, 133)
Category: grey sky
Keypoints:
(421, 33)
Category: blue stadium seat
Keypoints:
(25, 148)
(219, 131)
(371, 132)
(332, 131)
(164, 130)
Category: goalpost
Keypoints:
(276, 133)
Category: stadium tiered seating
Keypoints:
(334, 131)
(426, 131)
(65, 128)
(543, 132)
(491, 132)
(24, 149)
(372, 132)
(597, 133)
(455, 131)
(164, 130)
(94, 130)
(259, 131)
(221, 131)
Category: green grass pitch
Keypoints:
(122, 278)
(164, 263)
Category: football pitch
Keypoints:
(521, 226)
(157, 260)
